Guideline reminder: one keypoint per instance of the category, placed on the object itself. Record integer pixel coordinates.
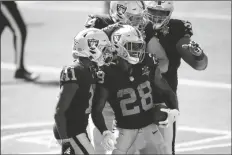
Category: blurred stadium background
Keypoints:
(27, 108)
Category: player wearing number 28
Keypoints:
(128, 87)
(90, 50)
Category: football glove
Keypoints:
(194, 48)
(111, 28)
(173, 114)
(108, 140)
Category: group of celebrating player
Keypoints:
(125, 66)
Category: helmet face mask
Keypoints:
(135, 49)
(94, 44)
(129, 44)
(128, 12)
(159, 12)
(134, 20)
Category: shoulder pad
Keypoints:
(68, 74)
(181, 28)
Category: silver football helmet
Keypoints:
(127, 12)
(94, 44)
(129, 44)
(159, 12)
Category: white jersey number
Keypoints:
(127, 104)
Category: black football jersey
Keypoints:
(169, 37)
(80, 107)
(130, 96)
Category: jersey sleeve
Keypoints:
(103, 76)
(149, 32)
(69, 74)
(180, 28)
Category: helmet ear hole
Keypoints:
(93, 52)
(116, 46)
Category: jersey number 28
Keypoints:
(146, 99)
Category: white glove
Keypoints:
(173, 114)
(108, 140)
(194, 48)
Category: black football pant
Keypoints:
(78, 144)
(11, 17)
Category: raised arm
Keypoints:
(189, 50)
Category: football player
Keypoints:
(128, 86)
(132, 13)
(175, 37)
(90, 50)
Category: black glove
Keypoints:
(111, 28)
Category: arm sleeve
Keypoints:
(149, 32)
(67, 92)
(154, 47)
(166, 90)
(181, 28)
(99, 100)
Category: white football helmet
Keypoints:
(128, 12)
(94, 44)
(129, 44)
(159, 12)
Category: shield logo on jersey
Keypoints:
(116, 38)
(145, 71)
(165, 30)
(121, 9)
(93, 43)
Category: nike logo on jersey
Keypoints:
(145, 70)
(154, 132)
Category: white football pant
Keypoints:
(147, 140)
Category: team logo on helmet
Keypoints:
(121, 9)
(93, 43)
(116, 38)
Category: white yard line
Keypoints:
(202, 147)
(181, 147)
(97, 9)
(202, 141)
(56, 72)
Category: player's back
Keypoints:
(79, 109)
(169, 37)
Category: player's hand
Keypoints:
(173, 114)
(194, 48)
(111, 28)
(108, 141)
